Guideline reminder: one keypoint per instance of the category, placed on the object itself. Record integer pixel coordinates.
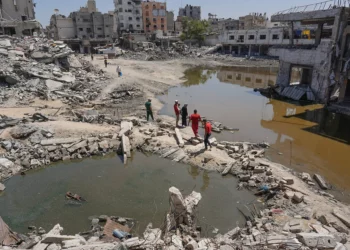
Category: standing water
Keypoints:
(307, 138)
(138, 190)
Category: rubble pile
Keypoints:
(36, 67)
(34, 147)
(125, 92)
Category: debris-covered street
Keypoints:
(251, 101)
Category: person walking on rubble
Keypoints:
(119, 71)
(149, 110)
(195, 119)
(207, 128)
(92, 57)
(106, 63)
(177, 112)
(184, 115)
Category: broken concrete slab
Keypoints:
(288, 180)
(319, 229)
(22, 131)
(179, 138)
(53, 85)
(126, 147)
(125, 128)
(170, 152)
(59, 141)
(342, 217)
(319, 179)
(228, 168)
(77, 146)
(57, 239)
(315, 240)
(2, 187)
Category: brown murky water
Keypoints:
(305, 137)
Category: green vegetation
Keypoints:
(194, 29)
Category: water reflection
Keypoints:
(306, 137)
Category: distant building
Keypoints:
(17, 17)
(83, 29)
(154, 16)
(129, 16)
(221, 24)
(228, 24)
(193, 12)
(170, 21)
(90, 7)
(178, 25)
(252, 21)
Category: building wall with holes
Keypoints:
(154, 16)
(18, 10)
(128, 16)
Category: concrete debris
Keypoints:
(50, 71)
(319, 179)
(319, 241)
(22, 131)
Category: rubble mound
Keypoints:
(33, 67)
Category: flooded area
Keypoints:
(305, 137)
(138, 190)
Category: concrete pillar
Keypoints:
(239, 49)
(283, 77)
(291, 33)
(259, 50)
(250, 50)
(81, 49)
(230, 49)
(318, 34)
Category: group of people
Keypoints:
(195, 119)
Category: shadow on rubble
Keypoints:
(328, 124)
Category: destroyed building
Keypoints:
(323, 65)
(170, 21)
(84, 29)
(128, 16)
(154, 16)
(18, 18)
(252, 21)
(193, 12)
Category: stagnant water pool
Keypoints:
(138, 190)
(305, 137)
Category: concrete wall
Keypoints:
(14, 10)
(129, 15)
(170, 21)
(318, 59)
(211, 40)
(65, 28)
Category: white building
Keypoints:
(128, 16)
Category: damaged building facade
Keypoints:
(323, 66)
(18, 18)
(84, 29)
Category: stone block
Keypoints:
(319, 229)
(306, 177)
(2, 187)
(298, 197)
(295, 229)
(288, 194)
(220, 146)
(290, 181)
(244, 177)
(259, 170)
(342, 217)
(319, 179)
(319, 241)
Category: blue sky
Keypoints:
(223, 8)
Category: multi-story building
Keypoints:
(84, 29)
(193, 12)
(17, 17)
(154, 16)
(129, 16)
(20, 10)
(252, 21)
(228, 24)
(170, 21)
